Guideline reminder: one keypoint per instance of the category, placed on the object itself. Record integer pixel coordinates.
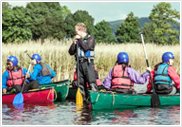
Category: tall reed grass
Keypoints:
(55, 53)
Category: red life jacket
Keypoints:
(120, 78)
(15, 77)
(98, 82)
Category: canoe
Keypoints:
(111, 100)
(61, 89)
(73, 90)
(37, 96)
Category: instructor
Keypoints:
(86, 55)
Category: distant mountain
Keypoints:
(142, 21)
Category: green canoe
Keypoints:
(61, 89)
(72, 92)
(111, 100)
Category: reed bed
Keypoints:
(55, 53)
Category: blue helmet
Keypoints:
(122, 57)
(166, 56)
(36, 57)
(13, 59)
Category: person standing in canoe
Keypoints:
(41, 72)
(122, 76)
(163, 75)
(14, 76)
(86, 55)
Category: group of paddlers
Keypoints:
(121, 77)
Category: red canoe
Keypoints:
(39, 96)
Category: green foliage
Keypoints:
(47, 20)
(50, 20)
(162, 16)
(69, 26)
(5, 5)
(129, 29)
(15, 25)
(149, 33)
(79, 16)
(103, 32)
(65, 11)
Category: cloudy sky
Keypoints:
(110, 11)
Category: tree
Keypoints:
(163, 16)
(15, 25)
(129, 29)
(69, 26)
(103, 32)
(47, 20)
(65, 11)
(5, 5)
(79, 16)
(149, 34)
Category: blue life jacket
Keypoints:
(87, 54)
(161, 75)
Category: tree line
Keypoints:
(42, 20)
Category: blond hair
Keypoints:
(81, 27)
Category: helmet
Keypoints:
(122, 57)
(166, 56)
(13, 59)
(37, 57)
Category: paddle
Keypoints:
(19, 97)
(79, 98)
(27, 54)
(155, 101)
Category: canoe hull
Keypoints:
(114, 101)
(41, 96)
(61, 89)
(73, 90)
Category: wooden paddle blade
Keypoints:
(18, 99)
(79, 98)
(155, 101)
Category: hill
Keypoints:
(142, 22)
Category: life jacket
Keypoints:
(120, 78)
(15, 77)
(45, 70)
(98, 82)
(87, 54)
(162, 80)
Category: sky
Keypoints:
(110, 11)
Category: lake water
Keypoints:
(66, 113)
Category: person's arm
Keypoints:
(89, 45)
(37, 68)
(72, 49)
(174, 76)
(5, 77)
(136, 77)
(28, 76)
(53, 73)
(107, 81)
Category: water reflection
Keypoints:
(138, 116)
(19, 114)
(67, 113)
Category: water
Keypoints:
(66, 113)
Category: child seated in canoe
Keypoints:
(14, 77)
(163, 75)
(122, 77)
(41, 72)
